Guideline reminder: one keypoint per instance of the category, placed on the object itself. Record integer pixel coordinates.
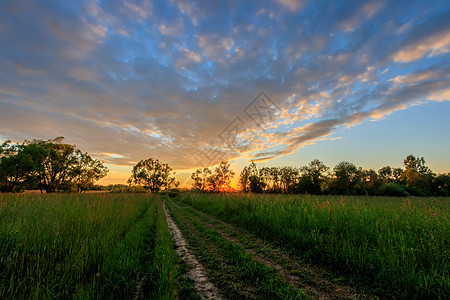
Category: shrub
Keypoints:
(394, 190)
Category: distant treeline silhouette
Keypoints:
(415, 179)
(53, 166)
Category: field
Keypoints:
(85, 246)
(249, 246)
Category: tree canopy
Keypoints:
(153, 175)
(50, 164)
(415, 179)
(219, 180)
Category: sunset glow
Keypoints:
(192, 83)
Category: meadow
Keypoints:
(391, 247)
(85, 246)
(106, 246)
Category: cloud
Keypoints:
(293, 5)
(436, 44)
(133, 79)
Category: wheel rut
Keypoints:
(204, 288)
(314, 282)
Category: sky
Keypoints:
(192, 83)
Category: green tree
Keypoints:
(86, 171)
(418, 176)
(371, 181)
(385, 174)
(347, 179)
(60, 166)
(16, 166)
(441, 185)
(53, 162)
(53, 165)
(153, 175)
(313, 179)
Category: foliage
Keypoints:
(313, 178)
(347, 179)
(16, 166)
(153, 175)
(219, 180)
(250, 179)
(393, 190)
(200, 177)
(53, 165)
(441, 185)
(86, 170)
(418, 176)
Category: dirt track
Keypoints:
(205, 289)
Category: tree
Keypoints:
(347, 179)
(59, 166)
(313, 178)
(222, 176)
(288, 178)
(271, 177)
(371, 181)
(213, 183)
(86, 170)
(16, 165)
(244, 179)
(200, 177)
(441, 185)
(418, 176)
(53, 165)
(385, 174)
(250, 179)
(53, 162)
(153, 175)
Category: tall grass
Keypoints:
(164, 274)
(82, 246)
(399, 247)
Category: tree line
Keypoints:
(47, 165)
(52, 165)
(415, 179)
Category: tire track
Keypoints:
(315, 283)
(205, 289)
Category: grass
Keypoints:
(315, 282)
(394, 247)
(85, 246)
(118, 245)
(236, 273)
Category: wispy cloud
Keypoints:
(136, 79)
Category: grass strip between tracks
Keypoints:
(230, 268)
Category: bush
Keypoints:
(416, 191)
(394, 190)
(172, 193)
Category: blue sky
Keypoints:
(193, 82)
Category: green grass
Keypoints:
(118, 245)
(235, 272)
(395, 247)
(85, 246)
